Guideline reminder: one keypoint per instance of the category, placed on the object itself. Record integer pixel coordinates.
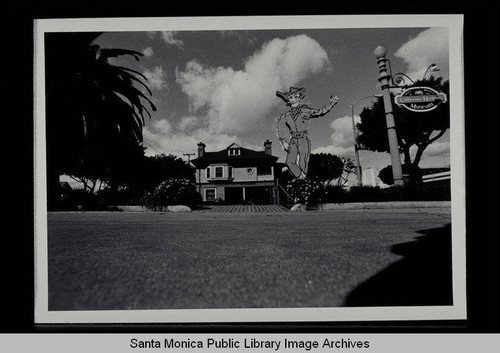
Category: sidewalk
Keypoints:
(382, 205)
(330, 206)
(279, 208)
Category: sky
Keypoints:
(218, 87)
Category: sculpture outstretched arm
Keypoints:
(316, 113)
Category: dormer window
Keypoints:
(233, 152)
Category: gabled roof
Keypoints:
(233, 145)
(246, 155)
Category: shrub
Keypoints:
(80, 200)
(437, 191)
(335, 194)
(305, 191)
(172, 192)
(412, 173)
(367, 194)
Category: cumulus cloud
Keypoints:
(241, 36)
(148, 52)
(169, 39)
(163, 137)
(344, 152)
(188, 122)
(157, 78)
(342, 138)
(428, 47)
(435, 149)
(235, 100)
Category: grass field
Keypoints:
(105, 261)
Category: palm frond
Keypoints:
(113, 53)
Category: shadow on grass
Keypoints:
(422, 277)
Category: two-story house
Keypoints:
(237, 174)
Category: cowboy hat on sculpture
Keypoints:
(292, 91)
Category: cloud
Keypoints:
(188, 122)
(335, 150)
(236, 100)
(226, 103)
(342, 138)
(148, 52)
(162, 137)
(169, 39)
(156, 78)
(435, 149)
(241, 36)
(428, 47)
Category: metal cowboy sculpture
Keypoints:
(292, 127)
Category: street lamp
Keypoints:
(356, 146)
(432, 68)
(385, 79)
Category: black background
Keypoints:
(481, 128)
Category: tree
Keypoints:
(95, 111)
(177, 191)
(348, 167)
(418, 129)
(156, 169)
(325, 167)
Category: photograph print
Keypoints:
(237, 169)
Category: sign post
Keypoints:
(384, 79)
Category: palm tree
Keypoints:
(95, 111)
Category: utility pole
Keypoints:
(188, 156)
(384, 79)
(356, 149)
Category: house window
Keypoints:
(210, 194)
(219, 172)
(208, 173)
(230, 172)
(234, 152)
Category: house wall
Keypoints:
(219, 191)
(239, 174)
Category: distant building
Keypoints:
(237, 175)
(65, 187)
(369, 178)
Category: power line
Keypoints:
(152, 147)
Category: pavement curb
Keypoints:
(381, 205)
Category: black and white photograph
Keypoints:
(249, 169)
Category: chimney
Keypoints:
(201, 149)
(267, 148)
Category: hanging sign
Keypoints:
(420, 99)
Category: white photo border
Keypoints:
(457, 311)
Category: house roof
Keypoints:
(246, 155)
